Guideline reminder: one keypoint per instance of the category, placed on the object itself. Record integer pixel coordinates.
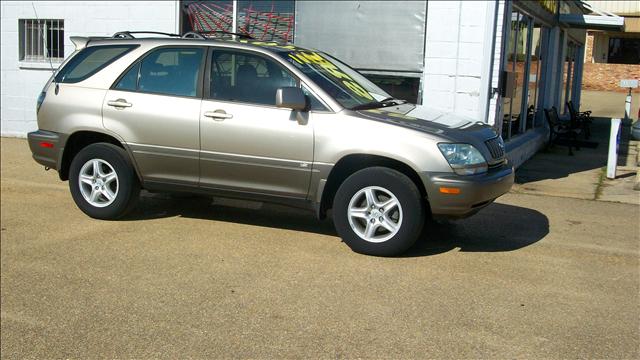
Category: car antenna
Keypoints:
(46, 48)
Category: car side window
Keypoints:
(314, 103)
(129, 81)
(168, 71)
(244, 77)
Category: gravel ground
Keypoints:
(529, 276)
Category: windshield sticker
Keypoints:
(316, 60)
(269, 44)
(392, 114)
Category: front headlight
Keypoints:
(464, 158)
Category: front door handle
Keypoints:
(218, 115)
(119, 103)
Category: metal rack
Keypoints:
(208, 34)
(190, 35)
(129, 34)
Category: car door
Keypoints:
(155, 107)
(247, 143)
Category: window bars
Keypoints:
(41, 40)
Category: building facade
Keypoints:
(613, 55)
(500, 62)
(27, 58)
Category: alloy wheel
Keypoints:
(375, 214)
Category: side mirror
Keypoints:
(291, 98)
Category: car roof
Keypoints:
(272, 46)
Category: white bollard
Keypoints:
(631, 84)
(627, 107)
(614, 137)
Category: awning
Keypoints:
(593, 19)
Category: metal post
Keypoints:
(612, 159)
(39, 35)
(234, 21)
(31, 46)
(577, 74)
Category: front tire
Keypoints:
(102, 181)
(378, 211)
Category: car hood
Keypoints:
(432, 121)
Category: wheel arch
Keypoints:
(83, 138)
(351, 163)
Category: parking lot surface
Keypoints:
(530, 276)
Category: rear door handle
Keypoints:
(119, 103)
(218, 115)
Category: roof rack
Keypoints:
(129, 34)
(206, 34)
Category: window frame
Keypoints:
(44, 26)
(299, 81)
(207, 79)
(140, 59)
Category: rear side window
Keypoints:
(91, 60)
(167, 71)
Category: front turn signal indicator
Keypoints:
(450, 190)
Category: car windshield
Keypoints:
(345, 85)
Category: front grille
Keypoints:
(496, 147)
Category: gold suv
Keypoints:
(233, 117)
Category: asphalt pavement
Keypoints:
(529, 276)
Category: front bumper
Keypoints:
(476, 191)
(46, 147)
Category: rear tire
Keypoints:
(102, 181)
(378, 211)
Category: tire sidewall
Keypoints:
(407, 193)
(128, 187)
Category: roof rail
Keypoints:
(207, 34)
(129, 34)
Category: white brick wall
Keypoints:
(20, 87)
(454, 49)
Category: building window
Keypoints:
(567, 76)
(624, 51)
(263, 20)
(521, 79)
(516, 56)
(41, 40)
(405, 88)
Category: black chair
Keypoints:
(581, 120)
(559, 130)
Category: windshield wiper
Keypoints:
(378, 104)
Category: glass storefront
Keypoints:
(567, 77)
(535, 69)
(522, 73)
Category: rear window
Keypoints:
(91, 60)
